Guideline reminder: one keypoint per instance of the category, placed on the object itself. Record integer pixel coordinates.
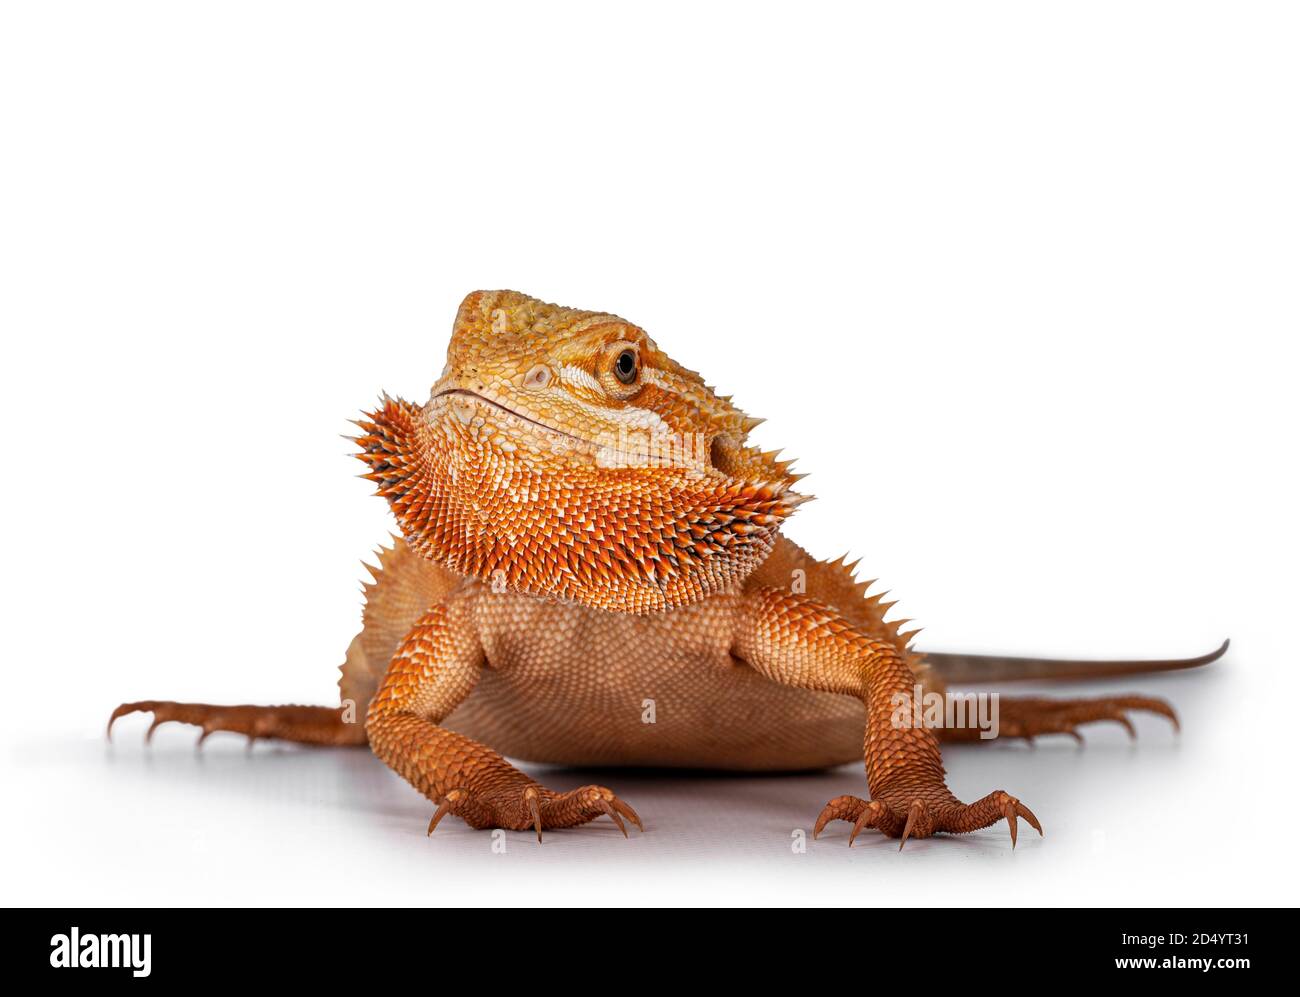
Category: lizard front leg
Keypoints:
(795, 641)
(432, 672)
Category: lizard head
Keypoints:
(562, 453)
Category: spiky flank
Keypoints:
(539, 465)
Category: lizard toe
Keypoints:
(861, 814)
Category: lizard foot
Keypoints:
(520, 807)
(918, 813)
(1030, 717)
(306, 724)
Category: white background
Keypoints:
(1016, 282)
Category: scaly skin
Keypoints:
(591, 572)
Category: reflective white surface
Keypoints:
(1151, 822)
(1014, 282)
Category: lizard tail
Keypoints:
(972, 668)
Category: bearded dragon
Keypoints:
(585, 530)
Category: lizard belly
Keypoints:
(576, 686)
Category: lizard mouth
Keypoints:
(484, 400)
(613, 452)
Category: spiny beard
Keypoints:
(633, 539)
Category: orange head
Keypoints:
(562, 453)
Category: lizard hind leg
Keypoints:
(1028, 717)
(403, 585)
(320, 725)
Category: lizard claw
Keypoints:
(862, 814)
(528, 806)
(613, 815)
(165, 712)
(627, 812)
(925, 815)
(1009, 812)
(1011, 809)
(530, 797)
(582, 805)
(444, 807)
(840, 808)
(996, 806)
(870, 817)
(916, 818)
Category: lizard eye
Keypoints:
(618, 369)
(625, 367)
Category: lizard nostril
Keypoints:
(538, 377)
